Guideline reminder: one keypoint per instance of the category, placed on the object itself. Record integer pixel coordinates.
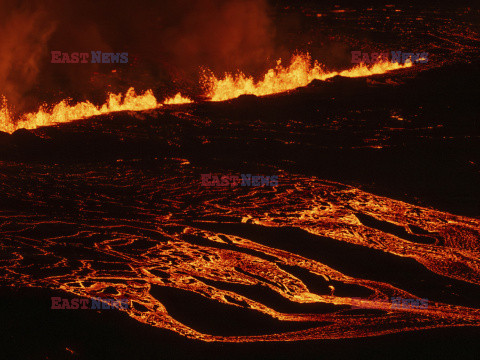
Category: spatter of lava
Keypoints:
(313, 246)
(299, 73)
(64, 112)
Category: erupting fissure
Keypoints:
(63, 112)
(300, 72)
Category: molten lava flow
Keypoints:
(299, 73)
(378, 68)
(281, 263)
(177, 99)
(63, 112)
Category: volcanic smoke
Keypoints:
(299, 73)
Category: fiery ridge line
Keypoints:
(299, 73)
(280, 79)
(63, 112)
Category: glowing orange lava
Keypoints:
(64, 112)
(299, 73)
(177, 99)
(229, 267)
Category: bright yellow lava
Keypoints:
(300, 72)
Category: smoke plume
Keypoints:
(167, 41)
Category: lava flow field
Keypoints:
(377, 199)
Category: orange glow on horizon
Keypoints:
(64, 112)
(300, 72)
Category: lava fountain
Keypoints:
(64, 112)
(300, 72)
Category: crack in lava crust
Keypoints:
(141, 231)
